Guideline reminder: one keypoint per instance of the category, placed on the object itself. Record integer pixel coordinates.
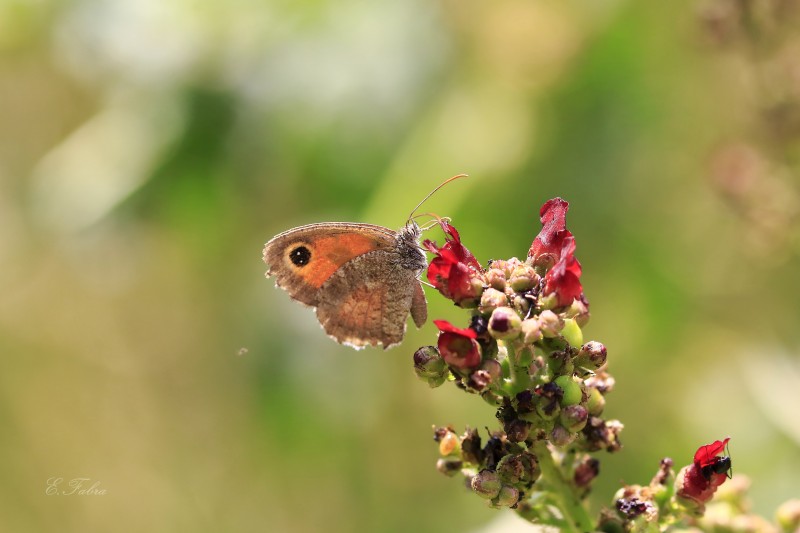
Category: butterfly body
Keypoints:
(361, 278)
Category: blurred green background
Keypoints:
(149, 148)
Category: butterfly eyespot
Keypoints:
(300, 256)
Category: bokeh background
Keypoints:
(149, 148)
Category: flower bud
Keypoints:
(601, 434)
(572, 391)
(579, 310)
(491, 299)
(586, 471)
(633, 507)
(572, 332)
(548, 409)
(429, 366)
(548, 301)
(592, 355)
(448, 444)
(517, 430)
(596, 402)
(561, 436)
(788, 515)
(602, 381)
(550, 323)
(508, 497)
(519, 469)
(544, 262)
(505, 324)
(510, 265)
(496, 279)
(476, 285)
(574, 417)
(493, 368)
(471, 450)
(479, 380)
(486, 484)
(449, 466)
(523, 278)
(530, 331)
(521, 304)
(498, 264)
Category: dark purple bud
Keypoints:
(517, 430)
(449, 466)
(586, 471)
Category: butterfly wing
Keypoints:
(368, 300)
(302, 259)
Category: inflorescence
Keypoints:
(522, 351)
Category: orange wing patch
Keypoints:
(330, 253)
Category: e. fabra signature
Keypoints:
(79, 486)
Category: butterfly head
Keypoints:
(411, 256)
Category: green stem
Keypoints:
(518, 375)
(574, 512)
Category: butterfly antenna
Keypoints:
(445, 182)
(431, 223)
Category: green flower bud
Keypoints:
(548, 301)
(550, 323)
(548, 409)
(505, 324)
(486, 484)
(574, 417)
(596, 402)
(523, 278)
(561, 436)
(519, 469)
(496, 279)
(530, 331)
(521, 304)
(430, 367)
(579, 311)
(491, 299)
(449, 466)
(572, 332)
(572, 391)
(508, 497)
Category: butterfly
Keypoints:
(362, 279)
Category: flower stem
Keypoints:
(518, 375)
(574, 512)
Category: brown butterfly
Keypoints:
(362, 279)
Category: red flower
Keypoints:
(553, 216)
(458, 347)
(699, 481)
(453, 269)
(564, 278)
(554, 247)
